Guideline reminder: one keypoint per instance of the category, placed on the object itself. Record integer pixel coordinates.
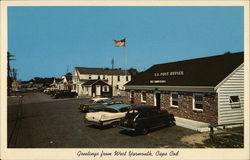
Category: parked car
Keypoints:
(141, 119)
(64, 94)
(93, 101)
(109, 101)
(96, 108)
(110, 114)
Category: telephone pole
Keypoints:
(10, 57)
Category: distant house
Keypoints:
(64, 83)
(99, 81)
(198, 91)
(57, 83)
(16, 85)
(67, 81)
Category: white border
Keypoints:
(187, 154)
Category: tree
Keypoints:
(133, 71)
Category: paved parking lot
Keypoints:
(47, 123)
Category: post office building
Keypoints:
(198, 92)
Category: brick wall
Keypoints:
(185, 107)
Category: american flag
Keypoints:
(120, 43)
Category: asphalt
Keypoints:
(42, 122)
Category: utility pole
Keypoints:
(10, 57)
(67, 69)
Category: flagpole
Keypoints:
(125, 56)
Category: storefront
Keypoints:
(198, 92)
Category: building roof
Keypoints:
(208, 71)
(100, 71)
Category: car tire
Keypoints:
(171, 123)
(114, 124)
(144, 131)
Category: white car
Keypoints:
(111, 114)
(96, 100)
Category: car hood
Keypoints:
(102, 116)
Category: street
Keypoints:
(42, 122)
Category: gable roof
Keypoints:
(207, 71)
(100, 71)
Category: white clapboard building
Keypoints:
(100, 82)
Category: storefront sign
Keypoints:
(157, 81)
(175, 73)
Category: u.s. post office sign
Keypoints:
(175, 73)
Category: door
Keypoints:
(98, 90)
(158, 99)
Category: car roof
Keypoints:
(146, 107)
(118, 106)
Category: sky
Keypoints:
(45, 40)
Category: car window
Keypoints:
(131, 113)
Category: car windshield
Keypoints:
(91, 101)
(131, 113)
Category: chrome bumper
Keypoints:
(88, 122)
(126, 128)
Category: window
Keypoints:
(198, 102)
(126, 78)
(105, 88)
(89, 76)
(104, 77)
(174, 99)
(98, 76)
(143, 96)
(117, 86)
(234, 99)
(118, 78)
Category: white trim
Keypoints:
(224, 80)
(198, 94)
(229, 97)
(142, 96)
(173, 88)
(150, 86)
(218, 107)
(171, 104)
